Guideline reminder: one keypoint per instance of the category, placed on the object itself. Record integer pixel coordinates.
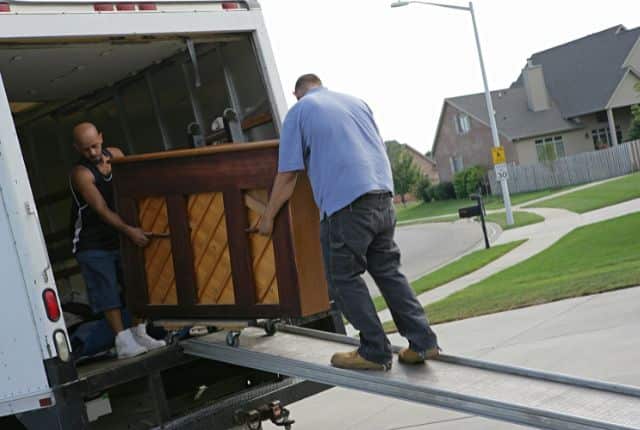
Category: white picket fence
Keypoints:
(574, 170)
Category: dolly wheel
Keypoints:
(233, 338)
(270, 327)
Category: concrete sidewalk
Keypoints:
(515, 207)
(540, 236)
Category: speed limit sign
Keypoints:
(502, 173)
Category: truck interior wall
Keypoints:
(148, 111)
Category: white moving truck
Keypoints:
(152, 76)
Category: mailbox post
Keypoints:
(476, 210)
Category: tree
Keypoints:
(405, 173)
(393, 150)
(634, 131)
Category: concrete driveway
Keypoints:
(425, 247)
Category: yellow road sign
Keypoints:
(498, 155)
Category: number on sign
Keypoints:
(502, 174)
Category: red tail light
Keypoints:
(103, 7)
(125, 6)
(147, 6)
(230, 5)
(4, 7)
(46, 402)
(51, 305)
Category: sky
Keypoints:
(405, 61)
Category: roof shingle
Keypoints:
(582, 75)
(513, 117)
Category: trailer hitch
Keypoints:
(272, 411)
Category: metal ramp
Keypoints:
(518, 395)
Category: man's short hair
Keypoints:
(306, 81)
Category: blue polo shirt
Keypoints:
(335, 139)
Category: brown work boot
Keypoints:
(353, 360)
(409, 356)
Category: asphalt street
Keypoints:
(425, 247)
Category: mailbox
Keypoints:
(470, 211)
(476, 210)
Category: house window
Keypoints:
(463, 124)
(456, 164)
(602, 137)
(550, 148)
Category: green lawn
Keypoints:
(448, 218)
(424, 210)
(465, 265)
(495, 202)
(520, 219)
(592, 259)
(589, 199)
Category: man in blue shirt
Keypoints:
(335, 139)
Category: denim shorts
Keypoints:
(102, 274)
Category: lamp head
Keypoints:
(399, 3)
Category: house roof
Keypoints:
(513, 117)
(582, 75)
(417, 153)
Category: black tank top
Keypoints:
(88, 229)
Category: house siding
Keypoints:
(576, 141)
(634, 56)
(622, 117)
(426, 166)
(474, 147)
(626, 94)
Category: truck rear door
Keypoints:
(30, 317)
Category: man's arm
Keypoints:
(83, 182)
(282, 191)
(115, 152)
(290, 162)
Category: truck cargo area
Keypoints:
(145, 93)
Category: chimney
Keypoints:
(537, 94)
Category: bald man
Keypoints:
(96, 243)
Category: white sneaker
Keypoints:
(140, 335)
(126, 345)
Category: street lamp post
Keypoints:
(487, 94)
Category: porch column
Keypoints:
(612, 127)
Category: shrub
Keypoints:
(459, 184)
(468, 181)
(475, 180)
(443, 191)
(424, 189)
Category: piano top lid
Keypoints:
(181, 153)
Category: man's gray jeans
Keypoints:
(359, 237)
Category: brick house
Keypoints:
(426, 164)
(565, 101)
